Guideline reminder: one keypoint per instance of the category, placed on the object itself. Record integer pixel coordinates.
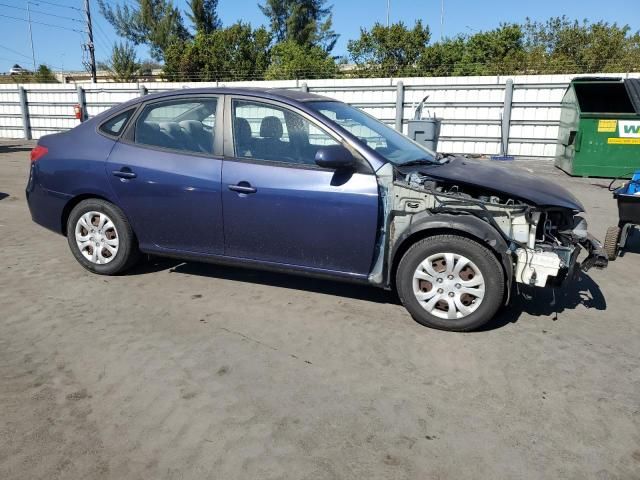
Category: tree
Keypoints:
(389, 51)
(560, 45)
(123, 64)
(204, 15)
(154, 22)
(44, 75)
(306, 22)
(237, 52)
(290, 60)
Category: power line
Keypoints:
(16, 52)
(42, 23)
(36, 2)
(41, 12)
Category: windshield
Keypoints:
(389, 143)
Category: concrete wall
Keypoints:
(471, 108)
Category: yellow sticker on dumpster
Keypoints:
(623, 141)
(607, 126)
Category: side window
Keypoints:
(114, 126)
(265, 132)
(185, 125)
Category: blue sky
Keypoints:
(60, 48)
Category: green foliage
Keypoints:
(306, 22)
(204, 15)
(290, 60)
(555, 46)
(389, 51)
(156, 23)
(123, 64)
(237, 52)
(560, 45)
(44, 75)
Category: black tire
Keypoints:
(611, 241)
(127, 254)
(485, 261)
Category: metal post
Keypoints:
(24, 108)
(304, 87)
(142, 90)
(82, 101)
(506, 116)
(399, 105)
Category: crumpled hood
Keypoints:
(514, 182)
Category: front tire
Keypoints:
(100, 237)
(450, 282)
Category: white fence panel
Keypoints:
(470, 108)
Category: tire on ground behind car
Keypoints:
(126, 254)
(438, 278)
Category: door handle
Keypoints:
(243, 187)
(124, 172)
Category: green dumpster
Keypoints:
(599, 134)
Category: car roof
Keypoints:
(292, 96)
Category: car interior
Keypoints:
(282, 136)
(191, 130)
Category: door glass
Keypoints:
(266, 132)
(184, 125)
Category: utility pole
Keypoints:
(33, 54)
(388, 10)
(441, 20)
(90, 46)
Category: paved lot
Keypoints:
(190, 371)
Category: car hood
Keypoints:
(515, 182)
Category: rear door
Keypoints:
(279, 206)
(166, 174)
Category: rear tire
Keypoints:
(611, 241)
(450, 282)
(100, 237)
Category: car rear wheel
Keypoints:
(450, 282)
(101, 238)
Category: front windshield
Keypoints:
(389, 143)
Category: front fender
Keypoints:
(425, 222)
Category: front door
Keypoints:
(280, 207)
(166, 175)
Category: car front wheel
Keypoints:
(101, 238)
(450, 282)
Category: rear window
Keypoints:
(115, 125)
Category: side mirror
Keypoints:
(335, 157)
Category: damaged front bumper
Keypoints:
(597, 257)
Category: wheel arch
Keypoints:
(467, 226)
(71, 204)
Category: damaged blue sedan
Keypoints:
(299, 183)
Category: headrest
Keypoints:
(170, 127)
(192, 127)
(271, 127)
(242, 130)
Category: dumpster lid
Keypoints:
(633, 89)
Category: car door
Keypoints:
(166, 174)
(279, 206)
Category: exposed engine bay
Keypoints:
(542, 243)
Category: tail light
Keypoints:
(38, 152)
